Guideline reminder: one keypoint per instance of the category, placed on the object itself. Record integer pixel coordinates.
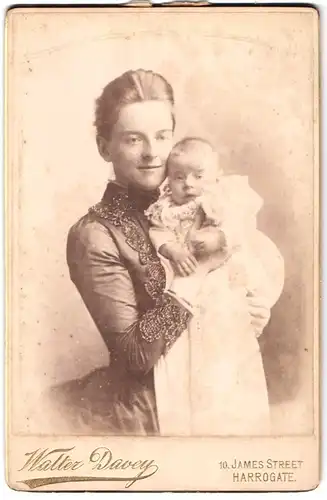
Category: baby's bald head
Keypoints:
(194, 152)
(191, 165)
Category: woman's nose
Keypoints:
(149, 151)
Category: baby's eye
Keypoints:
(179, 178)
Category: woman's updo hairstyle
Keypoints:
(132, 86)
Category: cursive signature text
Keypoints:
(100, 459)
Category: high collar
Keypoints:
(139, 200)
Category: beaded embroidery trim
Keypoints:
(120, 213)
(168, 318)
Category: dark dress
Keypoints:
(121, 281)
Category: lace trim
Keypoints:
(169, 319)
(121, 213)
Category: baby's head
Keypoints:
(191, 166)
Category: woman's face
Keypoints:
(140, 143)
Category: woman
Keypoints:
(116, 269)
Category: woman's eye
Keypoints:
(164, 137)
(198, 176)
(133, 139)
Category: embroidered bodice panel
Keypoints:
(122, 213)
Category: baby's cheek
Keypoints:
(199, 190)
(171, 184)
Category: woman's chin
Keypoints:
(150, 180)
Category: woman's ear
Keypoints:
(103, 148)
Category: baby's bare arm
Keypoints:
(182, 260)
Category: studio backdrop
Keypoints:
(244, 84)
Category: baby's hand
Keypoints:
(183, 262)
(207, 240)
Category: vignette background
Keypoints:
(244, 81)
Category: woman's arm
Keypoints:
(97, 270)
(263, 297)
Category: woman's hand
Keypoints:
(259, 310)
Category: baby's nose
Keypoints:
(189, 181)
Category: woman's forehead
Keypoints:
(145, 117)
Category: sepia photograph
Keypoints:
(162, 248)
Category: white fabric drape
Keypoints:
(212, 380)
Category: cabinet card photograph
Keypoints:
(162, 186)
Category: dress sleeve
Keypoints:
(105, 285)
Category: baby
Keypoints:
(202, 217)
(204, 222)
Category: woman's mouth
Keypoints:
(149, 167)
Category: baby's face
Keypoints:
(188, 177)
